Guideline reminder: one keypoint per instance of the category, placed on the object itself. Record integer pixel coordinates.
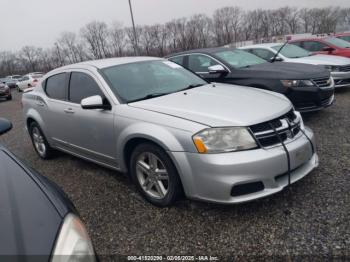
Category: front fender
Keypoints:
(155, 133)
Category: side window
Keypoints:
(178, 60)
(300, 44)
(82, 86)
(263, 53)
(345, 37)
(56, 86)
(313, 46)
(200, 63)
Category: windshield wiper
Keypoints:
(190, 87)
(278, 52)
(149, 96)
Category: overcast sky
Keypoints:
(40, 22)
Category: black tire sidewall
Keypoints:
(174, 180)
(48, 152)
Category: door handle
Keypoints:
(69, 111)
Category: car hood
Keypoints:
(220, 105)
(29, 215)
(322, 60)
(281, 70)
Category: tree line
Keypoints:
(227, 25)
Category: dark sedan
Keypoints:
(309, 87)
(5, 91)
(38, 221)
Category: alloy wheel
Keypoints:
(39, 141)
(152, 175)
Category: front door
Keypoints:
(91, 133)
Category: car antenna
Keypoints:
(278, 52)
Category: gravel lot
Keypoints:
(311, 218)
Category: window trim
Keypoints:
(197, 53)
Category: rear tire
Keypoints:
(41, 146)
(155, 175)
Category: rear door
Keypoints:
(52, 109)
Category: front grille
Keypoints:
(345, 68)
(287, 127)
(322, 82)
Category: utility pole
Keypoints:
(136, 48)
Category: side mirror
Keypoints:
(328, 49)
(5, 126)
(277, 59)
(217, 69)
(94, 102)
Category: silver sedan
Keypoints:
(170, 130)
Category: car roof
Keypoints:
(262, 45)
(203, 50)
(321, 39)
(103, 63)
(343, 34)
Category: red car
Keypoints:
(326, 45)
(343, 36)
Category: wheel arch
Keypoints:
(141, 133)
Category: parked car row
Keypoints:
(218, 125)
(309, 87)
(171, 130)
(22, 82)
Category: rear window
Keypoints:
(56, 86)
(178, 60)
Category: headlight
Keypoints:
(220, 140)
(333, 68)
(73, 242)
(297, 83)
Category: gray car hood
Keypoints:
(222, 105)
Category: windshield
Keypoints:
(338, 42)
(292, 51)
(135, 81)
(239, 58)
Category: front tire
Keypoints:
(155, 175)
(9, 98)
(41, 146)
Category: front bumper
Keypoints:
(5, 93)
(308, 99)
(212, 177)
(341, 79)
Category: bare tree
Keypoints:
(226, 22)
(118, 39)
(96, 34)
